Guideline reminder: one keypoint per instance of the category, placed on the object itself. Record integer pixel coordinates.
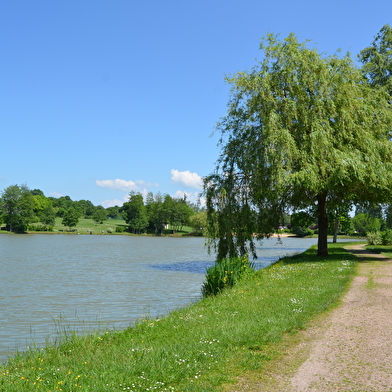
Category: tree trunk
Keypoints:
(336, 229)
(322, 249)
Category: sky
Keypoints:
(101, 98)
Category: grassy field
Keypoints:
(203, 347)
(383, 249)
(87, 226)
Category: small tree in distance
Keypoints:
(135, 213)
(99, 215)
(70, 218)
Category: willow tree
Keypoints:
(302, 131)
(377, 59)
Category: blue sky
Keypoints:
(99, 98)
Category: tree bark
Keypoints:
(336, 229)
(322, 249)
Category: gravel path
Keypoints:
(351, 348)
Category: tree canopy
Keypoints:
(302, 130)
(134, 212)
(16, 205)
(377, 59)
(70, 217)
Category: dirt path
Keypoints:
(348, 350)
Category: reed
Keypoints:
(225, 273)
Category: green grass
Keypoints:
(85, 226)
(383, 249)
(88, 225)
(199, 348)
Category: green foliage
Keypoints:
(85, 208)
(387, 237)
(300, 132)
(175, 212)
(365, 223)
(40, 228)
(301, 219)
(300, 222)
(70, 218)
(339, 219)
(163, 210)
(135, 213)
(225, 273)
(99, 215)
(377, 59)
(113, 212)
(17, 206)
(198, 222)
(374, 238)
(48, 215)
(302, 231)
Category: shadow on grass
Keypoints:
(336, 252)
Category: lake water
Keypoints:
(87, 282)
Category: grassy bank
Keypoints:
(383, 249)
(199, 348)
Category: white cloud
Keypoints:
(191, 180)
(55, 194)
(111, 203)
(124, 185)
(117, 184)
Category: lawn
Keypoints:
(88, 226)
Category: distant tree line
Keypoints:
(22, 208)
(157, 212)
(367, 219)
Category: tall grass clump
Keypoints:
(225, 273)
(374, 238)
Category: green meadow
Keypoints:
(203, 347)
(109, 226)
(85, 226)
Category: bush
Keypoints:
(120, 229)
(110, 230)
(39, 228)
(225, 273)
(302, 231)
(374, 238)
(387, 237)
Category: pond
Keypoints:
(88, 282)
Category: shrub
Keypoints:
(374, 238)
(225, 273)
(120, 229)
(110, 230)
(39, 228)
(302, 231)
(387, 237)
